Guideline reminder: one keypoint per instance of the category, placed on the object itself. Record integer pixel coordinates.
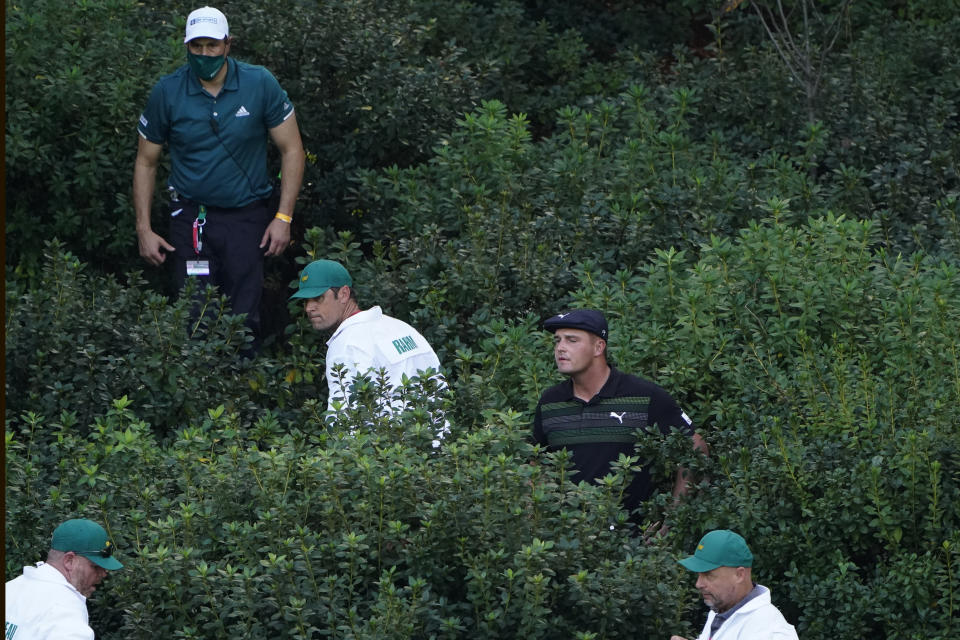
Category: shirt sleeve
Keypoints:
(277, 105)
(666, 415)
(64, 630)
(154, 124)
(64, 622)
(538, 435)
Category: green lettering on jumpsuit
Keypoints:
(404, 344)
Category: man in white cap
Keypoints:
(49, 601)
(739, 608)
(215, 114)
(362, 342)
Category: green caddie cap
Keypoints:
(88, 539)
(319, 276)
(719, 548)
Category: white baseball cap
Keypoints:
(206, 22)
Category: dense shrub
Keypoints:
(380, 84)
(874, 151)
(824, 373)
(76, 74)
(508, 217)
(762, 267)
(79, 339)
(375, 84)
(255, 529)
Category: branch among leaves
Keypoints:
(796, 44)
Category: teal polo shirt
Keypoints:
(218, 145)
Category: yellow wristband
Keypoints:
(284, 217)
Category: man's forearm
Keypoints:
(144, 179)
(291, 176)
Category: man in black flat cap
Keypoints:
(596, 413)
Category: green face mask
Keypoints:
(206, 67)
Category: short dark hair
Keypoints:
(336, 291)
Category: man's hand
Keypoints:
(677, 638)
(276, 238)
(656, 530)
(153, 247)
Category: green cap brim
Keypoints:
(697, 565)
(109, 563)
(309, 292)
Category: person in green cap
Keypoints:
(362, 341)
(740, 609)
(50, 600)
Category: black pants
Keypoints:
(231, 245)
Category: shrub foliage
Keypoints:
(824, 373)
(784, 263)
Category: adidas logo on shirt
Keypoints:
(242, 112)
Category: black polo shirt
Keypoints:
(598, 431)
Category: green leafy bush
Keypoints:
(874, 152)
(765, 272)
(77, 340)
(378, 85)
(823, 372)
(76, 74)
(262, 528)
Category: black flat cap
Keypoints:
(585, 319)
